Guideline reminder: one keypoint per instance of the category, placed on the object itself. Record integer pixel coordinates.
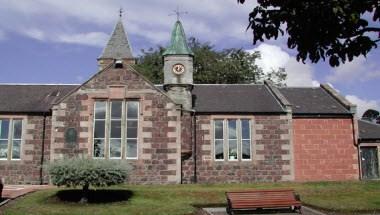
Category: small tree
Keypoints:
(87, 172)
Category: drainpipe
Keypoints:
(356, 143)
(194, 142)
(43, 149)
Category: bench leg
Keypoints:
(229, 210)
(299, 209)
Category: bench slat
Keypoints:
(253, 199)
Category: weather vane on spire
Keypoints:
(121, 12)
(178, 13)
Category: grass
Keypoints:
(341, 197)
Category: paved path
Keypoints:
(14, 191)
(222, 211)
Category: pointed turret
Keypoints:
(178, 68)
(178, 44)
(117, 48)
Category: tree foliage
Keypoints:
(371, 115)
(87, 172)
(228, 66)
(339, 30)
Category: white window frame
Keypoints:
(109, 103)
(237, 139)
(226, 141)
(105, 131)
(250, 139)
(10, 138)
(126, 129)
(223, 142)
(13, 139)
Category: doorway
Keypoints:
(369, 162)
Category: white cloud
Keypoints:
(212, 20)
(93, 38)
(363, 104)
(35, 34)
(360, 69)
(273, 57)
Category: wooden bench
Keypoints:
(262, 199)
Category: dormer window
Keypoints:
(118, 64)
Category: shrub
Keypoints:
(83, 172)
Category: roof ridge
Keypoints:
(38, 84)
(368, 122)
(233, 84)
(300, 87)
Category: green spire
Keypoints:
(178, 44)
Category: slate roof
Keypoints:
(207, 98)
(229, 98)
(368, 130)
(20, 98)
(312, 101)
(118, 46)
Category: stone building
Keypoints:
(177, 132)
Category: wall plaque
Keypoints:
(71, 136)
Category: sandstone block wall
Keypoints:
(271, 152)
(159, 135)
(27, 169)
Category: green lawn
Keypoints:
(345, 197)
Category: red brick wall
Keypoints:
(324, 150)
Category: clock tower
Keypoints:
(178, 68)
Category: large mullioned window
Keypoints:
(10, 139)
(115, 129)
(232, 139)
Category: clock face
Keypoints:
(178, 69)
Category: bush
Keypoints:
(82, 172)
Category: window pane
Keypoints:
(232, 129)
(99, 129)
(116, 129)
(246, 149)
(99, 148)
(100, 110)
(116, 109)
(132, 123)
(4, 128)
(132, 110)
(17, 129)
(3, 149)
(131, 132)
(131, 148)
(232, 144)
(115, 148)
(219, 149)
(16, 149)
(218, 124)
(132, 128)
(245, 130)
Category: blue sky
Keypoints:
(51, 41)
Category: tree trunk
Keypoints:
(85, 190)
